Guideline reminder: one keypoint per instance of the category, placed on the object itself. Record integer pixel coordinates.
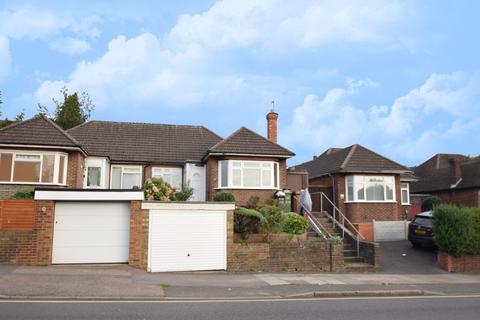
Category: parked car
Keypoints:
(420, 230)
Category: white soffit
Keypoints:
(76, 195)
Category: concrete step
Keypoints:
(354, 259)
(359, 267)
(349, 253)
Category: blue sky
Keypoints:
(399, 77)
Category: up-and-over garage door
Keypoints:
(91, 232)
(187, 240)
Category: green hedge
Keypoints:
(23, 194)
(274, 217)
(457, 229)
(430, 203)
(294, 224)
(248, 221)
(224, 197)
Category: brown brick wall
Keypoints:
(370, 251)
(358, 212)
(30, 247)
(310, 256)
(242, 196)
(468, 197)
(467, 263)
(138, 248)
(75, 170)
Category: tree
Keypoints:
(75, 109)
(5, 122)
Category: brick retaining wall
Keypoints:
(466, 263)
(310, 256)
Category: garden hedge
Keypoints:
(457, 229)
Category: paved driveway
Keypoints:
(400, 257)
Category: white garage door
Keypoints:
(91, 232)
(187, 240)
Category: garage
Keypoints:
(89, 226)
(91, 232)
(188, 239)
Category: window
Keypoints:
(248, 174)
(172, 176)
(32, 167)
(94, 177)
(126, 177)
(370, 188)
(405, 190)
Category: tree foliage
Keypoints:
(74, 110)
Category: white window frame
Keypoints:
(403, 188)
(355, 195)
(56, 165)
(174, 169)
(140, 185)
(230, 175)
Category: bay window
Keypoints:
(31, 167)
(126, 177)
(172, 176)
(370, 188)
(243, 174)
(405, 191)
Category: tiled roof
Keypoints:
(435, 174)
(144, 142)
(245, 141)
(353, 159)
(38, 130)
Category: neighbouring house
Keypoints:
(362, 184)
(122, 155)
(454, 178)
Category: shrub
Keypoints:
(274, 217)
(23, 194)
(247, 221)
(457, 229)
(294, 224)
(224, 197)
(430, 202)
(184, 195)
(157, 189)
(252, 202)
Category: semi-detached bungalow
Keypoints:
(122, 155)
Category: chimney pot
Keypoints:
(272, 118)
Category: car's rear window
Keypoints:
(424, 222)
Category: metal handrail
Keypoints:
(341, 225)
(317, 226)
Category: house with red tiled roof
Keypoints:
(122, 155)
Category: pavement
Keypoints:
(403, 271)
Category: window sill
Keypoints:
(370, 201)
(34, 183)
(240, 188)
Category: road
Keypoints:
(364, 308)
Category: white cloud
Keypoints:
(303, 23)
(5, 58)
(30, 22)
(183, 67)
(70, 45)
(442, 110)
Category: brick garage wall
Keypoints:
(138, 247)
(32, 247)
(242, 196)
(468, 198)
(309, 256)
(370, 251)
(467, 263)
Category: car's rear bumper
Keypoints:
(423, 240)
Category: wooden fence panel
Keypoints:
(17, 215)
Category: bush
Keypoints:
(247, 221)
(294, 224)
(184, 195)
(157, 189)
(224, 197)
(430, 202)
(252, 202)
(23, 194)
(274, 217)
(457, 229)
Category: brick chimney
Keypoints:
(455, 169)
(272, 118)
